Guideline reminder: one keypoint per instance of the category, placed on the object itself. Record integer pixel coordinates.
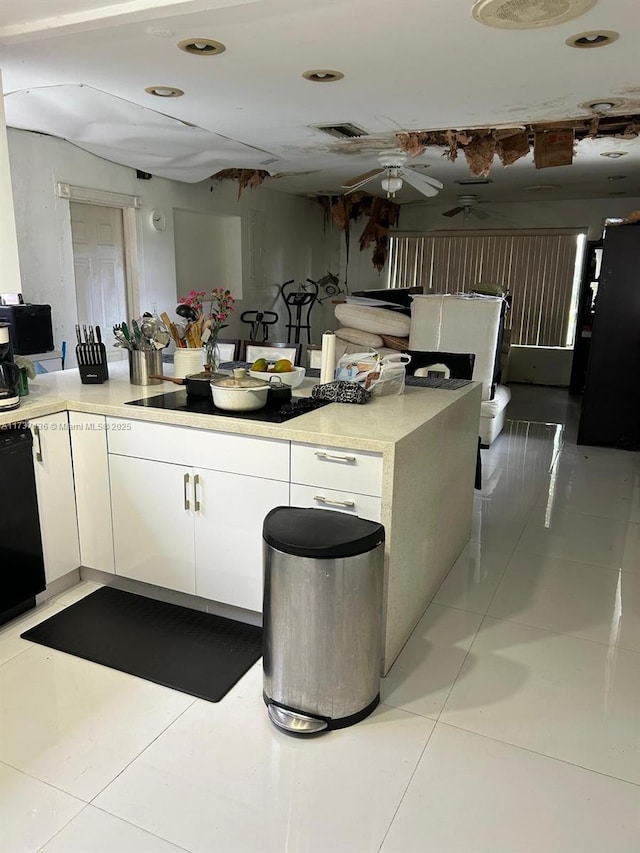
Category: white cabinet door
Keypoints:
(93, 499)
(56, 496)
(153, 534)
(229, 513)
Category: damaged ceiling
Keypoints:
(469, 102)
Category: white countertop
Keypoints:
(375, 426)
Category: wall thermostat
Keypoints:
(158, 220)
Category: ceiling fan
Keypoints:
(467, 207)
(394, 173)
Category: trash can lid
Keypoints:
(320, 533)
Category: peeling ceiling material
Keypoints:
(245, 177)
(382, 217)
(553, 148)
(126, 133)
(510, 144)
(383, 214)
(513, 147)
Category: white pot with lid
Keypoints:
(240, 392)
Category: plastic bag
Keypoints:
(381, 375)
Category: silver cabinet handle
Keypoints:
(322, 454)
(36, 432)
(186, 493)
(321, 499)
(196, 483)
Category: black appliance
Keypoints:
(21, 559)
(9, 372)
(178, 401)
(31, 328)
(610, 412)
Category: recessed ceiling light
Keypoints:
(617, 178)
(202, 47)
(603, 105)
(322, 75)
(524, 14)
(164, 91)
(614, 155)
(594, 38)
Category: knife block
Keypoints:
(93, 374)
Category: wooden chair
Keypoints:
(271, 350)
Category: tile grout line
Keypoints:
(540, 754)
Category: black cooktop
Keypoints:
(177, 401)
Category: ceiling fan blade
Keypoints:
(433, 181)
(481, 214)
(453, 212)
(359, 180)
(420, 182)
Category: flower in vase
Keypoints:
(212, 311)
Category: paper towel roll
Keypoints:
(328, 360)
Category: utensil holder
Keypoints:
(187, 361)
(143, 365)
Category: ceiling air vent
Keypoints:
(341, 131)
(473, 182)
(527, 14)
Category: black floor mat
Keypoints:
(194, 652)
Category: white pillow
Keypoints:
(379, 321)
(362, 339)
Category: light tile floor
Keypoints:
(510, 722)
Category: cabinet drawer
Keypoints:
(218, 451)
(335, 468)
(364, 506)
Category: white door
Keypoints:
(56, 495)
(99, 264)
(151, 505)
(229, 517)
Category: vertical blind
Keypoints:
(537, 269)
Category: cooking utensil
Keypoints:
(279, 393)
(196, 384)
(240, 392)
(187, 312)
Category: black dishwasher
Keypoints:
(21, 560)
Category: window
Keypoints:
(540, 270)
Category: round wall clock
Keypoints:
(158, 220)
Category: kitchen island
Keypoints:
(408, 461)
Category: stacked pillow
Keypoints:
(368, 326)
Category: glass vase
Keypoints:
(211, 355)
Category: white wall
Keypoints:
(9, 265)
(282, 235)
(540, 365)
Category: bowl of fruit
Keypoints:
(283, 369)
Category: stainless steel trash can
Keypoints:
(322, 618)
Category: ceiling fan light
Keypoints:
(391, 185)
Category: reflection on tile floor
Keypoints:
(510, 721)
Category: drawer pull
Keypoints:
(322, 454)
(185, 488)
(196, 483)
(321, 499)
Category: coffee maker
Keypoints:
(9, 372)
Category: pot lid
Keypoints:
(240, 380)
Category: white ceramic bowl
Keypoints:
(293, 378)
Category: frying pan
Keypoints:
(196, 384)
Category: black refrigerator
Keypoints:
(610, 413)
